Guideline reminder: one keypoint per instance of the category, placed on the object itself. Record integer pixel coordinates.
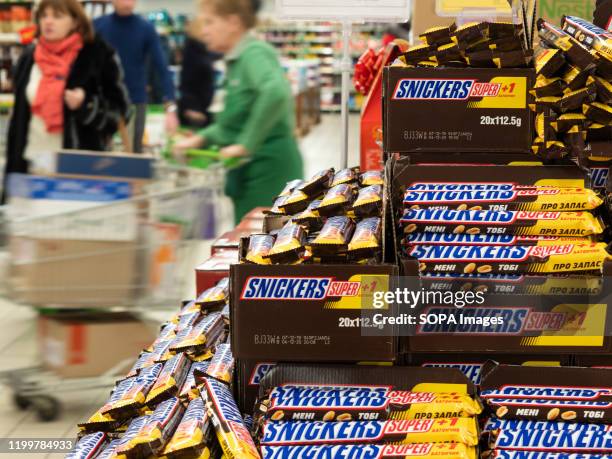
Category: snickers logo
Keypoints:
(297, 288)
(459, 186)
(555, 440)
(509, 454)
(260, 370)
(599, 177)
(556, 393)
(224, 401)
(521, 424)
(443, 89)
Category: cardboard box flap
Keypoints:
(292, 312)
(495, 376)
(402, 378)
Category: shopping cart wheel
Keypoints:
(22, 403)
(47, 408)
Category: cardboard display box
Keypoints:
(450, 109)
(432, 13)
(214, 269)
(308, 312)
(71, 273)
(399, 378)
(471, 364)
(230, 240)
(74, 345)
(523, 306)
(248, 375)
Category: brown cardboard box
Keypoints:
(470, 364)
(230, 240)
(74, 345)
(68, 273)
(431, 13)
(214, 269)
(310, 313)
(602, 16)
(444, 110)
(425, 14)
(518, 302)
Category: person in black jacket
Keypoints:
(197, 85)
(69, 90)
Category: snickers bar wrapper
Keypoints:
(560, 394)
(470, 259)
(420, 450)
(527, 199)
(579, 441)
(456, 430)
(519, 223)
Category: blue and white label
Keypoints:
(555, 440)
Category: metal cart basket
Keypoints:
(131, 255)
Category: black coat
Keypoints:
(197, 85)
(98, 71)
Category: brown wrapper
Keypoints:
(546, 87)
(471, 33)
(320, 182)
(334, 237)
(548, 61)
(418, 53)
(437, 35)
(289, 245)
(598, 112)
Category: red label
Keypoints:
(76, 344)
(338, 288)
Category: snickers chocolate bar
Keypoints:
(494, 424)
(456, 430)
(229, 426)
(89, 446)
(520, 223)
(536, 198)
(421, 450)
(544, 409)
(522, 454)
(468, 259)
(312, 403)
(222, 364)
(596, 441)
(488, 239)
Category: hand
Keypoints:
(233, 151)
(74, 98)
(189, 142)
(195, 116)
(172, 122)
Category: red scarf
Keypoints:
(55, 60)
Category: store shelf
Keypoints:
(10, 38)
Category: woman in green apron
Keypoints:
(257, 121)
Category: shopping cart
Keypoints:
(133, 255)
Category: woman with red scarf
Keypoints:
(69, 90)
